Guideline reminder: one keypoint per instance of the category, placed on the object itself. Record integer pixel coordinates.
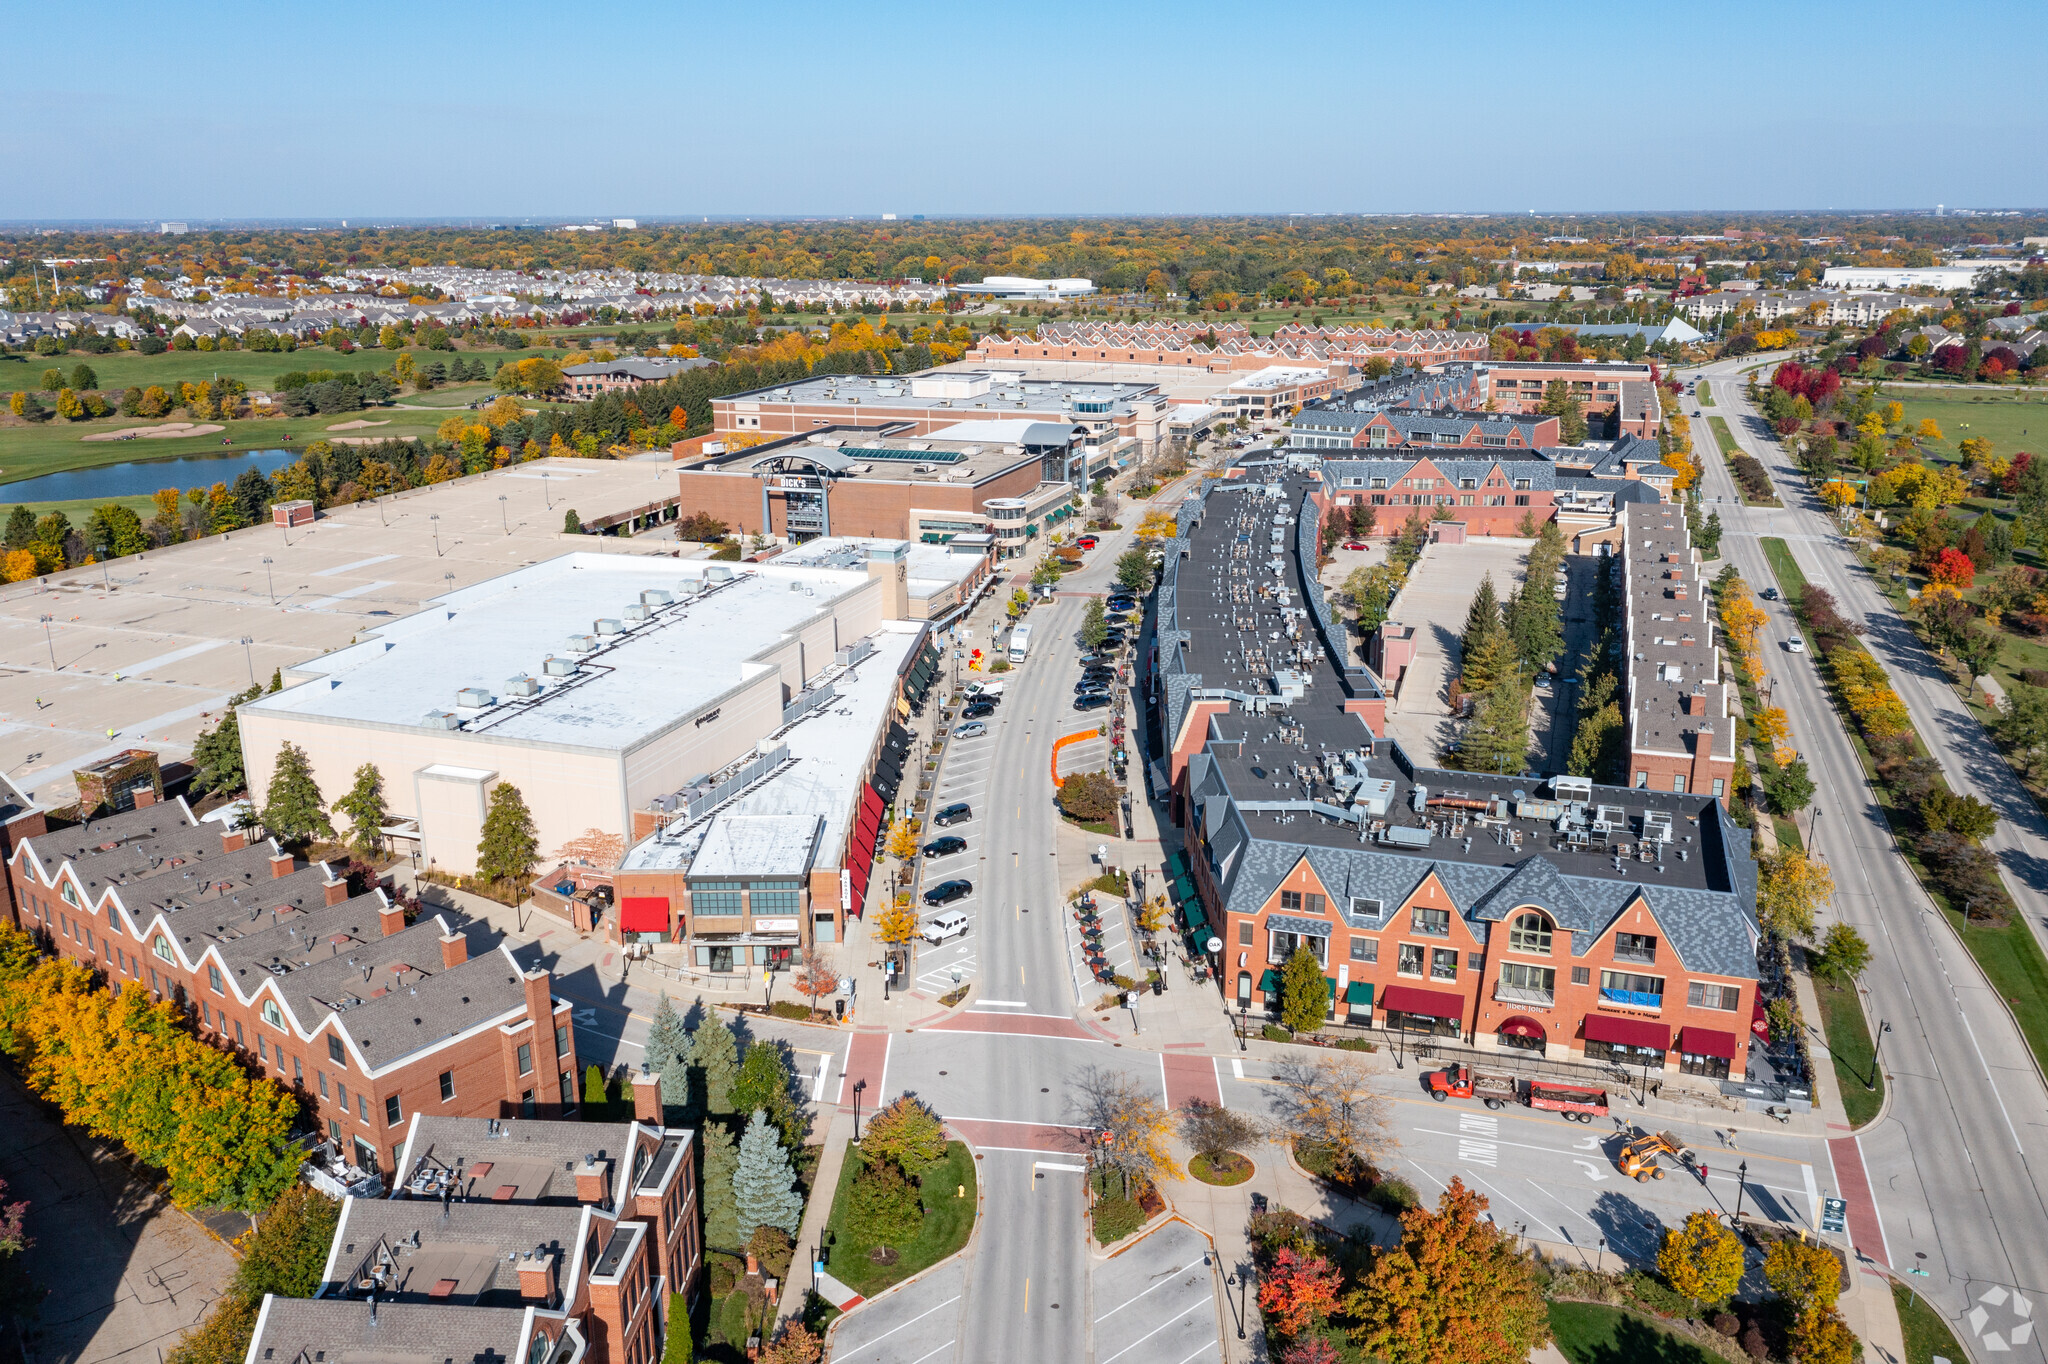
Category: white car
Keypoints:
(1795, 645)
(985, 688)
(951, 924)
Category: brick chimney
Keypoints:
(537, 1276)
(233, 840)
(1702, 776)
(647, 1099)
(593, 1180)
(281, 865)
(540, 1008)
(145, 796)
(391, 918)
(336, 891)
(454, 951)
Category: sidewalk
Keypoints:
(810, 1233)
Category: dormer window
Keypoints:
(161, 946)
(273, 1015)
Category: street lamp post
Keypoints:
(435, 518)
(1741, 1176)
(247, 657)
(1240, 1281)
(859, 1086)
(269, 580)
(503, 517)
(1244, 1024)
(48, 640)
(546, 491)
(1884, 1026)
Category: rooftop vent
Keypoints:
(560, 667)
(441, 719)
(637, 613)
(608, 625)
(581, 644)
(654, 597)
(474, 697)
(521, 685)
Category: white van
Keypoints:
(985, 688)
(939, 928)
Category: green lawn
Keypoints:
(1785, 568)
(1926, 1330)
(1593, 1333)
(457, 396)
(948, 1218)
(1848, 1032)
(1723, 437)
(257, 369)
(1706, 396)
(2005, 417)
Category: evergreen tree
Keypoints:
(1533, 625)
(21, 528)
(1094, 624)
(721, 1204)
(217, 754)
(764, 1192)
(714, 1066)
(667, 1044)
(1483, 615)
(597, 1103)
(764, 1086)
(572, 524)
(1304, 998)
(366, 811)
(292, 807)
(1497, 738)
(509, 845)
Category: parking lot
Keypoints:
(962, 777)
(918, 1323)
(1159, 1302)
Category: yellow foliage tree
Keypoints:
(897, 923)
(1701, 1259)
(1838, 494)
(1742, 620)
(1790, 887)
(903, 838)
(1770, 727)
(17, 565)
(1929, 429)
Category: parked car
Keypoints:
(959, 812)
(1091, 686)
(945, 847)
(945, 892)
(1354, 544)
(973, 729)
(985, 688)
(1092, 701)
(979, 709)
(940, 927)
(1087, 542)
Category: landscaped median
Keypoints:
(905, 1201)
(1751, 478)
(1939, 833)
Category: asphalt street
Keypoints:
(1953, 1164)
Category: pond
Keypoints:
(141, 477)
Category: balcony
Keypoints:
(1638, 956)
(1525, 996)
(1631, 999)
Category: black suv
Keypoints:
(957, 813)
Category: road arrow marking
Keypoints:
(1593, 1172)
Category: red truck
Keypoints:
(1577, 1105)
(1462, 1082)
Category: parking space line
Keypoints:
(824, 1071)
(894, 1329)
(1207, 1344)
(1174, 1320)
(1164, 1280)
(941, 1350)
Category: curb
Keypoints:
(973, 1245)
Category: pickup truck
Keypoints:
(1462, 1082)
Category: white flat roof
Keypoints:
(830, 747)
(757, 845)
(1009, 432)
(929, 568)
(654, 673)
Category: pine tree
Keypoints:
(597, 1103)
(721, 1205)
(217, 754)
(1483, 614)
(21, 528)
(366, 811)
(667, 1044)
(764, 1191)
(1497, 738)
(714, 1065)
(292, 808)
(509, 845)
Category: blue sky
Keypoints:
(445, 108)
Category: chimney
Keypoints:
(454, 951)
(145, 796)
(281, 865)
(647, 1098)
(391, 918)
(537, 1276)
(540, 1009)
(233, 840)
(593, 1178)
(1702, 776)
(336, 891)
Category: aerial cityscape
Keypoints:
(1092, 727)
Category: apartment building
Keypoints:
(1813, 307)
(1623, 394)
(1583, 922)
(583, 382)
(1489, 493)
(1681, 706)
(1327, 428)
(369, 1019)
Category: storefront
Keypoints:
(1433, 1013)
(1633, 1042)
(1521, 1034)
(1705, 1052)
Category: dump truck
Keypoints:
(1638, 1158)
(1462, 1082)
(1577, 1104)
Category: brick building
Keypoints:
(367, 1018)
(1681, 706)
(1490, 493)
(1623, 395)
(1324, 428)
(1591, 923)
(20, 818)
(583, 382)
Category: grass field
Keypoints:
(1593, 1333)
(1926, 1330)
(257, 369)
(947, 1221)
(1706, 396)
(1848, 1032)
(2005, 417)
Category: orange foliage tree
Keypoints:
(1297, 1292)
(1455, 1291)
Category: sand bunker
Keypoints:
(356, 425)
(152, 432)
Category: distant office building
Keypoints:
(172, 229)
(609, 376)
(1020, 286)
(1959, 277)
(625, 224)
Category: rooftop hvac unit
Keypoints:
(1572, 788)
(654, 597)
(1657, 826)
(606, 625)
(1609, 819)
(581, 644)
(474, 697)
(717, 573)
(521, 685)
(1401, 836)
(637, 613)
(1419, 801)
(441, 719)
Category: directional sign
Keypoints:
(1834, 1215)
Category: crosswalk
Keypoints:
(1479, 1139)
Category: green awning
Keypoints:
(1176, 866)
(1183, 889)
(1359, 992)
(1330, 983)
(1196, 919)
(1270, 982)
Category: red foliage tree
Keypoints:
(1953, 567)
(1298, 1292)
(2011, 482)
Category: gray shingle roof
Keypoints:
(346, 1331)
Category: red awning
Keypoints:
(1629, 1032)
(1521, 1027)
(644, 913)
(1406, 999)
(1760, 1020)
(866, 822)
(1706, 1042)
(870, 802)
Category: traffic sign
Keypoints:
(1834, 1215)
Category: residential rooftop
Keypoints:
(356, 1331)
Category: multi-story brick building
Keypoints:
(506, 1241)
(583, 382)
(367, 1018)
(1341, 428)
(20, 818)
(1586, 923)
(1489, 493)
(1681, 705)
(1623, 395)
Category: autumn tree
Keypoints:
(366, 810)
(908, 1133)
(1803, 1272)
(897, 923)
(292, 807)
(903, 838)
(1304, 996)
(1790, 887)
(1297, 1291)
(509, 847)
(1129, 1124)
(1820, 1336)
(1701, 1259)
(1843, 954)
(1212, 1129)
(1454, 1289)
(796, 1345)
(1326, 1103)
(815, 974)
(593, 848)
